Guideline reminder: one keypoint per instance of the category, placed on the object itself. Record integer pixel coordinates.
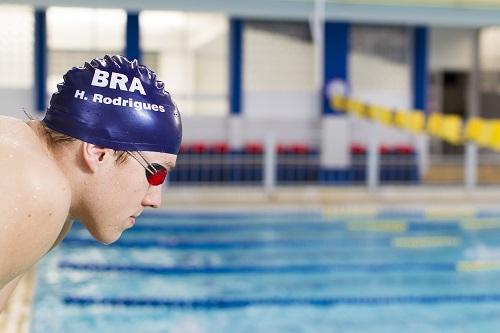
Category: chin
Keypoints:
(106, 237)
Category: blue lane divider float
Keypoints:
(221, 303)
(430, 225)
(487, 213)
(337, 225)
(382, 214)
(231, 215)
(251, 244)
(232, 227)
(396, 214)
(331, 268)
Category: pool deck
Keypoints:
(334, 199)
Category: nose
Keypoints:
(153, 197)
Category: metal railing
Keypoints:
(270, 168)
(372, 168)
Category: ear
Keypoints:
(96, 156)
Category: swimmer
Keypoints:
(108, 139)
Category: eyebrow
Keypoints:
(169, 165)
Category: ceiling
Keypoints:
(464, 13)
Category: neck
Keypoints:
(39, 131)
(58, 154)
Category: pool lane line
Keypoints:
(226, 303)
(355, 226)
(450, 213)
(379, 227)
(406, 214)
(204, 228)
(487, 213)
(231, 215)
(262, 269)
(411, 242)
(228, 245)
(480, 224)
(426, 241)
(478, 266)
(326, 213)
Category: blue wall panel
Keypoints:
(235, 64)
(420, 68)
(40, 60)
(133, 48)
(336, 54)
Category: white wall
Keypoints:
(215, 129)
(451, 49)
(279, 88)
(16, 60)
(14, 100)
(378, 81)
(211, 74)
(380, 65)
(490, 50)
(335, 143)
(387, 135)
(380, 73)
(293, 105)
(284, 130)
(85, 28)
(204, 128)
(193, 58)
(278, 76)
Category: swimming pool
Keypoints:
(277, 272)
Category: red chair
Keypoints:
(358, 149)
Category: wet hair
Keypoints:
(55, 138)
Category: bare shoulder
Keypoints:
(34, 201)
(10, 125)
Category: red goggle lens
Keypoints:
(156, 177)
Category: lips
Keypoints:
(132, 220)
(133, 217)
(136, 215)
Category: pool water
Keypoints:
(276, 272)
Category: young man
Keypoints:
(100, 155)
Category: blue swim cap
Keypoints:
(116, 103)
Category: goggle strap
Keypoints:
(149, 165)
(135, 158)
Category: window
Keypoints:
(189, 52)
(16, 47)
(76, 35)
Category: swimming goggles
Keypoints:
(155, 173)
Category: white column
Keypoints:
(335, 143)
(270, 164)
(471, 162)
(235, 131)
(473, 110)
(423, 160)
